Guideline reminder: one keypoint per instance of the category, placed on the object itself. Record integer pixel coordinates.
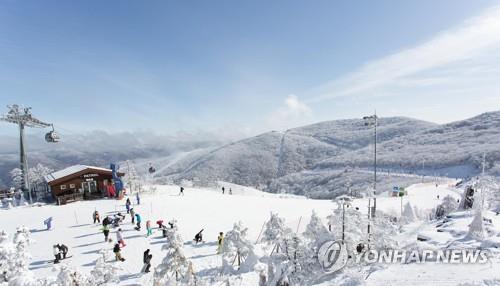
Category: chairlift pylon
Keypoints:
(52, 136)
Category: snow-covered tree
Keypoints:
(384, 230)
(355, 225)
(14, 258)
(476, 227)
(275, 232)
(448, 206)
(133, 180)
(408, 213)
(316, 233)
(105, 273)
(68, 276)
(17, 178)
(175, 264)
(238, 250)
(37, 174)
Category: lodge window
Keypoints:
(71, 186)
(63, 187)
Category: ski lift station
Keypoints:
(81, 182)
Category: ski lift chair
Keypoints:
(52, 136)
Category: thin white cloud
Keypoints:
(463, 49)
(292, 113)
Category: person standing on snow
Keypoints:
(119, 238)
(138, 220)
(105, 231)
(127, 205)
(149, 228)
(63, 249)
(57, 254)
(147, 261)
(223, 190)
(117, 252)
(159, 223)
(96, 217)
(182, 191)
(220, 241)
(132, 215)
(230, 191)
(138, 198)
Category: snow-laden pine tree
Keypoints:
(237, 250)
(105, 273)
(275, 232)
(384, 230)
(316, 232)
(408, 213)
(476, 227)
(175, 264)
(355, 225)
(7, 253)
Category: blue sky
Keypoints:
(246, 66)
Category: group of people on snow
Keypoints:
(224, 190)
(60, 252)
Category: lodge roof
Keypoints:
(74, 170)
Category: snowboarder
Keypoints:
(96, 217)
(105, 231)
(132, 215)
(199, 237)
(220, 241)
(147, 261)
(149, 228)
(138, 198)
(160, 223)
(230, 191)
(127, 205)
(48, 223)
(117, 252)
(57, 254)
(119, 238)
(138, 220)
(182, 191)
(223, 190)
(63, 249)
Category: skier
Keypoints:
(138, 198)
(223, 190)
(160, 223)
(230, 191)
(199, 237)
(172, 223)
(182, 191)
(147, 261)
(132, 215)
(105, 231)
(119, 238)
(57, 254)
(149, 228)
(96, 217)
(220, 241)
(106, 221)
(48, 223)
(138, 220)
(63, 249)
(117, 252)
(127, 205)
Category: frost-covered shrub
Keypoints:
(275, 232)
(237, 250)
(448, 206)
(175, 264)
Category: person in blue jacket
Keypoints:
(138, 221)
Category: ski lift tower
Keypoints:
(23, 118)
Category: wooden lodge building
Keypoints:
(79, 182)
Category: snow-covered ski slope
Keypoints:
(208, 209)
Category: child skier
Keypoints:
(57, 254)
(63, 249)
(132, 215)
(127, 205)
(149, 228)
(96, 217)
(105, 231)
(220, 241)
(138, 220)
(119, 238)
(117, 252)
